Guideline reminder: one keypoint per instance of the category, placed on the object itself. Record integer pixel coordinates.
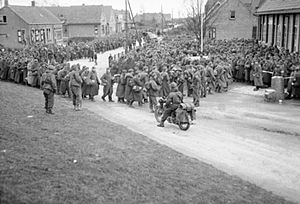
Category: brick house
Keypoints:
(228, 19)
(279, 23)
(21, 25)
(85, 21)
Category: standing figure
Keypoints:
(165, 89)
(49, 87)
(196, 85)
(107, 82)
(121, 87)
(93, 87)
(152, 89)
(75, 87)
(257, 75)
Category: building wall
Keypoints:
(227, 28)
(14, 23)
(83, 30)
(44, 33)
(283, 30)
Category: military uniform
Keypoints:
(49, 87)
(173, 101)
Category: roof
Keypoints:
(108, 12)
(78, 14)
(35, 15)
(279, 6)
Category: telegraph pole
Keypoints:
(162, 20)
(126, 27)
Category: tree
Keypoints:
(194, 20)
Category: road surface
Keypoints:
(236, 132)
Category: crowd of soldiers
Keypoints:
(34, 65)
(147, 71)
(27, 65)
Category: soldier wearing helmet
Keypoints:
(174, 99)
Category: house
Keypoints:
(152, 18)
(279, 23)
(111, 23)
(120, 16)
(86, 21)
(228, 19)
(22, 25)
(80, 21)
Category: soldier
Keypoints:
(75, 87)
(121, 87)
(196, 85)
(107, 82)
(152, 89)
(94, 85)
(257, 74)
(49, 88)
(173, 101)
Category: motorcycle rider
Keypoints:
(174, 99)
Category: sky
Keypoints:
(177, 7)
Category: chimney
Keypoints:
(33, 3)
(5, 2)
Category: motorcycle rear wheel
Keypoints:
(184, 125)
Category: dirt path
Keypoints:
(235, 132)
(80, 157)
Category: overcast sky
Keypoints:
(138, 6)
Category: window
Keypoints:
(232, 15)
(42, 32)
(48, 34)
(21, 36)
(37, 35)
(213, 33)
(3, 20)
(96, 30)
(58, 34)
(32, 36)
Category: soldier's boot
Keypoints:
(50, 111)
(161, 124)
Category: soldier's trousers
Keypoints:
(107, 91)
(76, 95)
(152, 102)
(49, 99)
(196, 96)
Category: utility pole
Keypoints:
(162, 19)
(133, 19)
(126, 27)
(202, 34)
(200, 18)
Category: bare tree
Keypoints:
(194, 19)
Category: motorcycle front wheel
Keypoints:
(158, 112)
(184, 125)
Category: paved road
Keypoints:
(236, 132)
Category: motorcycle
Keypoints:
(183, 116)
